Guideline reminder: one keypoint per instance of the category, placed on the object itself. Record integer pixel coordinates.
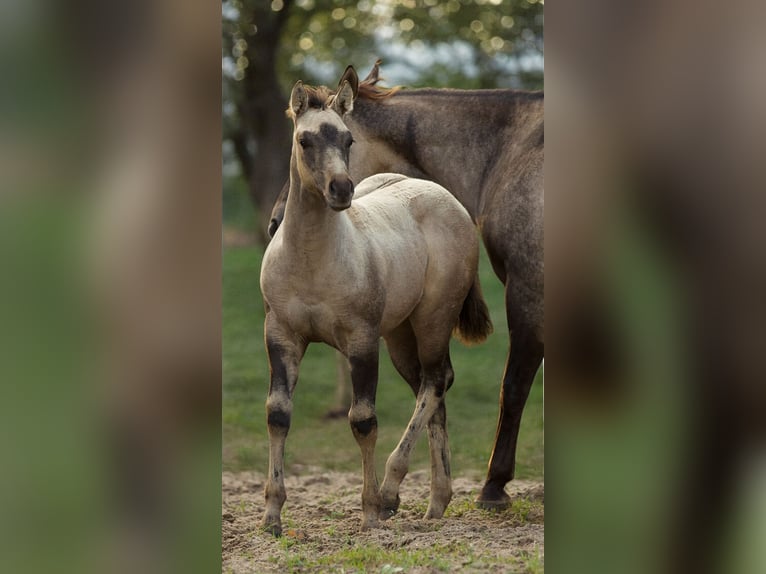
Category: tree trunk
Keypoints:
(261, 107)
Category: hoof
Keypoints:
(272, 527)
(387, 513)
(493, 499)
(433, 513)
(438, 503)
(492, 504)
(368, 524)
(389, 508)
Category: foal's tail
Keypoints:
(474, 324)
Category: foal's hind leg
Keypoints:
(430, 409)
(441, 481)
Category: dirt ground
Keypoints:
(321, 528)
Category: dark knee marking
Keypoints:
(279, 419)
(440, 388)
(276, 361)
(365, 426)
(364, 368)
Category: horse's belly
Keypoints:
(395, 316)
(403, 294)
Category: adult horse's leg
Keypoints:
(285, 354)
(364, 424)
(524, 359)
(402, 347)
(342, 388)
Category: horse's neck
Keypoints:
(452, 137)
(311, 229)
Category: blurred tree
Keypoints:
(268, 44)
(252, 97)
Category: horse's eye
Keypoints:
(304, 143)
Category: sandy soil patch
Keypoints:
(321, 528)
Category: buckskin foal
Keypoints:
(401, 265)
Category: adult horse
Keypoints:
(400, 264)
(486, 148)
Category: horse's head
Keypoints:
(321, 141)
(368, 88)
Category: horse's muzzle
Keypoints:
(340, 193)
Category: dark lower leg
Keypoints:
(364, 425)
(274, 491)
(523, 361)
(283, 363)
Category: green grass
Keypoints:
(532, 563)
(358, 557)
(471, 403)
(370, 558)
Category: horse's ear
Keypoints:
(299, 100)
(350, 76)
(372, 78)
(343, 102)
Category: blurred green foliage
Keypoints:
(238, 211)
(269, 44)
(459, 43)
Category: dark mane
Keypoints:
(527, 95)
(318, 97)
(369, 90)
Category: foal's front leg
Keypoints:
(285, 353)
(364, 425)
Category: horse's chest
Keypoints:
(311, 309)
(312, 320)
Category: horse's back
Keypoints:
(425, 202)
